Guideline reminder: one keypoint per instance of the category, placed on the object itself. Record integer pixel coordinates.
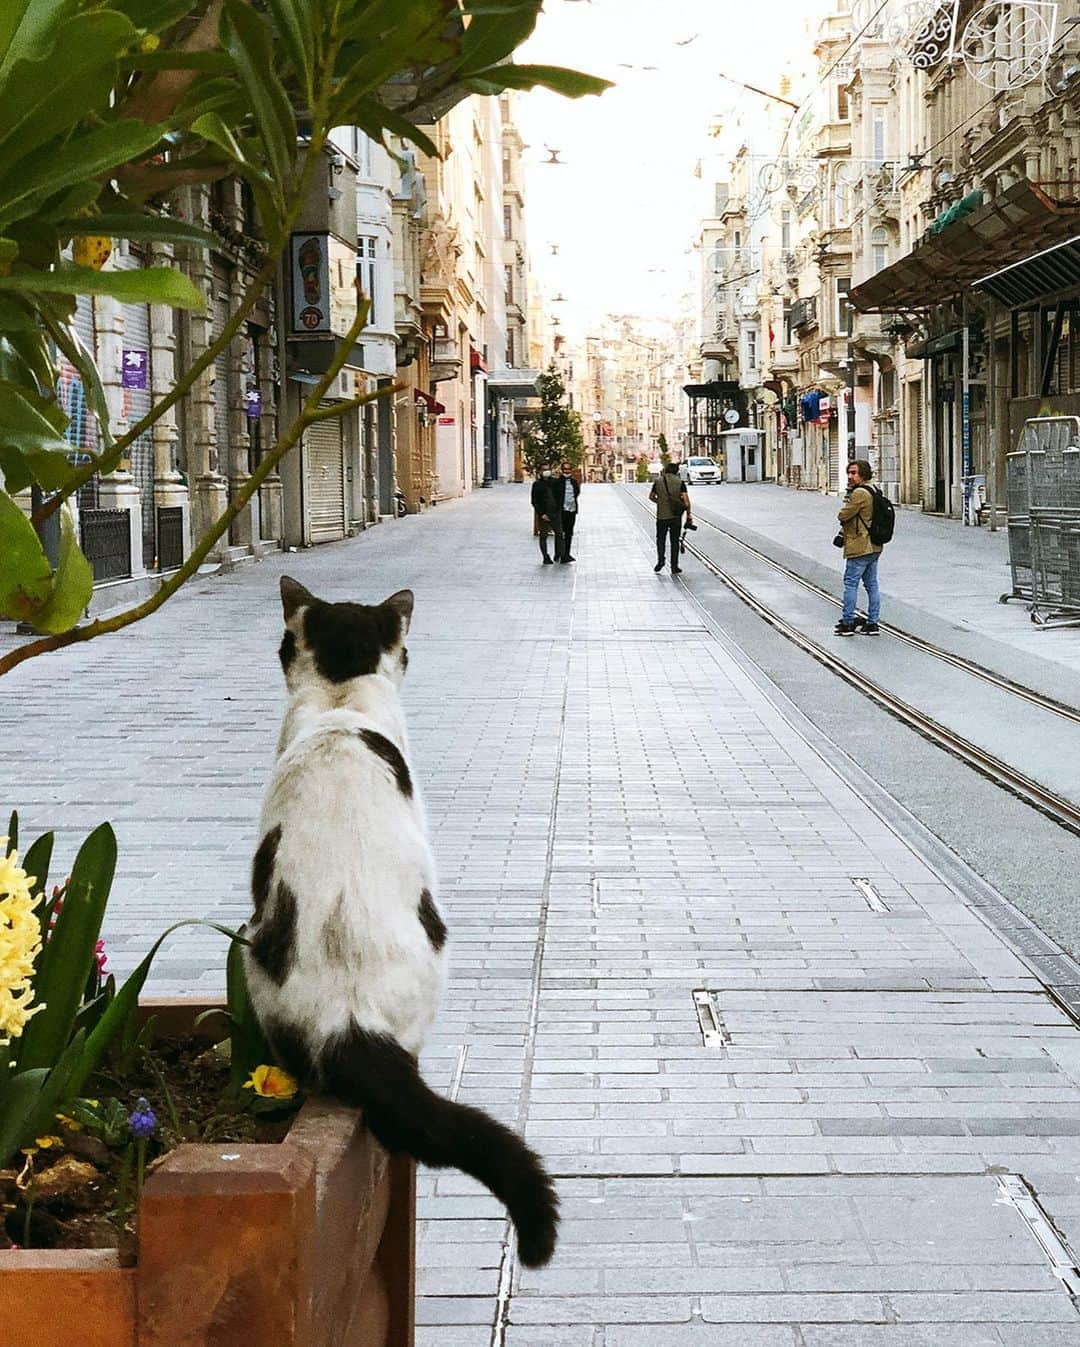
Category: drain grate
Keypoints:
(1016, 1191)
(874, 900)
(714, 1033)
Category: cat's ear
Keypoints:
(294, 596)
(402, 604)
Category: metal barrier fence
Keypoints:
(1042, 492)
(106, 542)
(170, 537)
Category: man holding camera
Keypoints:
(672, 501)
(860, 551)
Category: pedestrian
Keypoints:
(568, 489)
(548, 514)
(672, 502)
(860, 551)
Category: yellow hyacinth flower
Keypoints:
(20, 943)
(270, 1082)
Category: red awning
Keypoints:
(476, 360)
(432, 404)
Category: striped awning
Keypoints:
(1050, 274)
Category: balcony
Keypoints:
(445, 360)
(804, 313)
(720, 346)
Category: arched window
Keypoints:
(879, 249)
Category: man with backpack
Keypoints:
(672, 501)
(866, 525)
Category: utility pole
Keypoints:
(850, 383)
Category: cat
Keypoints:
(347, 960)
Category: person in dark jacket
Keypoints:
(567, 490)
(548, 509)
(672, 501)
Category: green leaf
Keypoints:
(153, 16)
(45, 99)
(37, 860)
(126, 1000)
(56, 1090)
(13, 831)
(145, 285)
(18, 1100)
(248, 1042)
(27, 28)
(375, 119)
(32, 446)
(66, 960)
(88, 155)
(569, 83)
(248, 41)
(294, 28)
(25, 573)
(490, 38)
(153, 228)
(68, 342)
(73, 583)
(212, 127)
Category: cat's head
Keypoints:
(335, 642)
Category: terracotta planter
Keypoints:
(309, 1243)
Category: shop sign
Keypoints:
(253, 404)
(133, 369)
(310, 271)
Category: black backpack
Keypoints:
(883, 519)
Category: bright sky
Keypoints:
(625, 206)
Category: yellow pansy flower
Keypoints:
(270, 1082)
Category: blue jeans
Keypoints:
(861, 570)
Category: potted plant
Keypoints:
(216, 1211)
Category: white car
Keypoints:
(696, 470)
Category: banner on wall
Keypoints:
(310, 273)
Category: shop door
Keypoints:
(326, 480)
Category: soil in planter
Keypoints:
(74, 1191)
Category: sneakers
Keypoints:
(659, 566)
(548, 561)
(843, 628)
(676, 570)
(871, 629)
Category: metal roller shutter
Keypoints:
(83, 428)
(326, 480)
(138, 402)
(219, 316)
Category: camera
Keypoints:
(691, 526)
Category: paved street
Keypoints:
(622, 816)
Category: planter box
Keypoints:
(309, 1243)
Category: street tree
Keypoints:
(555, 435)
(641, 472)
(109, 107)
(662, 449)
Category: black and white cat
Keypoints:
(346, 963)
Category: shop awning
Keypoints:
(948, 341)
(1047, 275)
(1013, 227)
(432, 404)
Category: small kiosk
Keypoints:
(743, 452)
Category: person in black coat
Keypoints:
(567, 490)
(549, 514)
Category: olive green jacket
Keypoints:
(855, 516)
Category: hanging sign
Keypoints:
(310, 272)
(133, 369)
(253, 404)
(824, 411)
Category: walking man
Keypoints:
(567, 488)
(860, 551)
(548, 514)
(672, 501)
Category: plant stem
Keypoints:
(174, 1117)
(140, 1171)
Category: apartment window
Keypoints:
(843, 105)
(877, 129)
(843, 286)
(785, 231)
(366, 249)
(508, 273)
(362, 154)
(508, 221)
(879, 249)
(751, 348)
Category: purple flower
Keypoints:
(142, 1119)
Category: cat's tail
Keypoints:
(372, 1072)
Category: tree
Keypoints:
(662, 448)
(555, 436)
(641, 472)
(109, 106)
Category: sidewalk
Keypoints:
(830, 1176)
(953, 576)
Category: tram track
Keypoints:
(1061, 810)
